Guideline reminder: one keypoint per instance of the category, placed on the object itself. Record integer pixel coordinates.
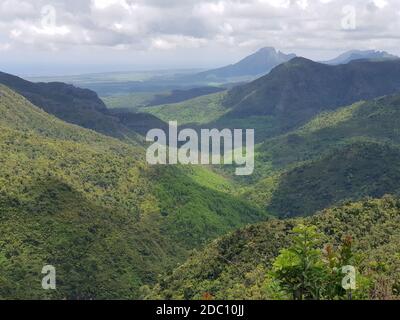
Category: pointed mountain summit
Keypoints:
(257, 64)
(361, 55)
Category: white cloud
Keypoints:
(210, 8)
(381, 3)
(11, 9)
(103, 4)
(174, 41)
(277, 3)
(290, 25)
(5, 46)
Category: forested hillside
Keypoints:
(197, 111)
(341, 155)
(208, 150)
(245, 263)
(81, 107)
(91, 206)
(287, 98)
(296, 91)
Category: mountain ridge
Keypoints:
(296, 91)
(82, 107)
(238, 266)
(340, 155)
(352, 55)
(258, 63)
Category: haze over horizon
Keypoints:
(90, 36)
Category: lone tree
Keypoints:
(300, 269)
(306, 272)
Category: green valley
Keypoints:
(197, 111)
(76, 191)
(92, 207)
(210, 150)
(342, 155)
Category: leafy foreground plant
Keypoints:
(306, 272)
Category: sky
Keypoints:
(58, 37)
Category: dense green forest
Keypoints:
(341, 155)
(264, 261)
(76, 191)
(83, 107)
(295, 92)
(89, 205)
(335, 160)
(346, 154)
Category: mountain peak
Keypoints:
(267, 50)
(296, 91)
(301, 60)
(352, 55)
(296, 62)
(259, 63)
(271, 51)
